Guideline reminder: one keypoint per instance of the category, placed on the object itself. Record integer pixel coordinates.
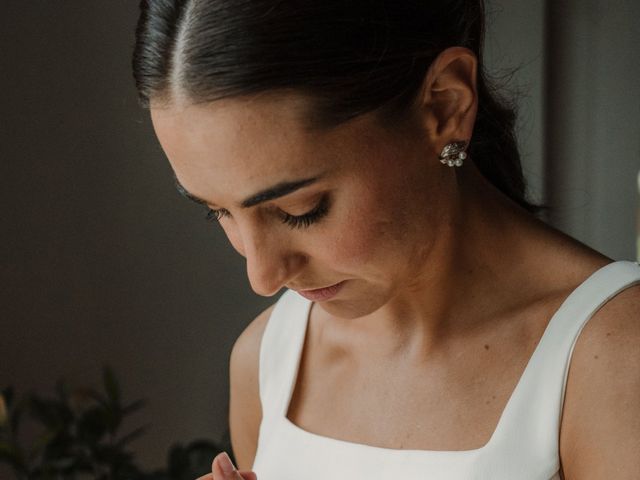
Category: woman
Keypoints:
(355, 154)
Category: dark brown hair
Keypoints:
(351, 57)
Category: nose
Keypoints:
(271, 262)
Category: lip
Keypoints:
(320, 294)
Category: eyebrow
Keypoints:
(279, 190)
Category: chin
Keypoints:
(349, 309)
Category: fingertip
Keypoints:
(215, 468)
(222, 467)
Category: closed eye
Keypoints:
(293, 221)
(216, 215)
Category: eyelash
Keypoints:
(300, 221)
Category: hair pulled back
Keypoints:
(350, 57)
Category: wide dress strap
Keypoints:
(280, 351)
(532, 417)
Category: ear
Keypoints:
(449, 98)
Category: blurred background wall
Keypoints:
(103, 263)
(592, 120)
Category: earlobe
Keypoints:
(449, 96)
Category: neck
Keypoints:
(469, 271)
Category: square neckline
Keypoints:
(363, 447)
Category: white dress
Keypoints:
(523, 446)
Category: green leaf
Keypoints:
(46, 438)
(15, 415)
(133, 407)
(128, 438)
(52, 414)
(62, 391)
(93, 424)
(13, 456)
(98, 398)
(111, 385)
(74, 443)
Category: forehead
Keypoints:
(240, 145)
(229, 149)
(227, 128)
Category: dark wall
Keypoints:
(102, 261)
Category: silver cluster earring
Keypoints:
(453, 154)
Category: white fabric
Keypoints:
(523, 446)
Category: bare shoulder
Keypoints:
(246, 349)
(245, 411)
(600, 431)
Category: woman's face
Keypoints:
(379, 197)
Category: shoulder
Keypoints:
(600, 430)
(247, 345)
(245, 411)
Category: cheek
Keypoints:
(387, 239)
(367, 239)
